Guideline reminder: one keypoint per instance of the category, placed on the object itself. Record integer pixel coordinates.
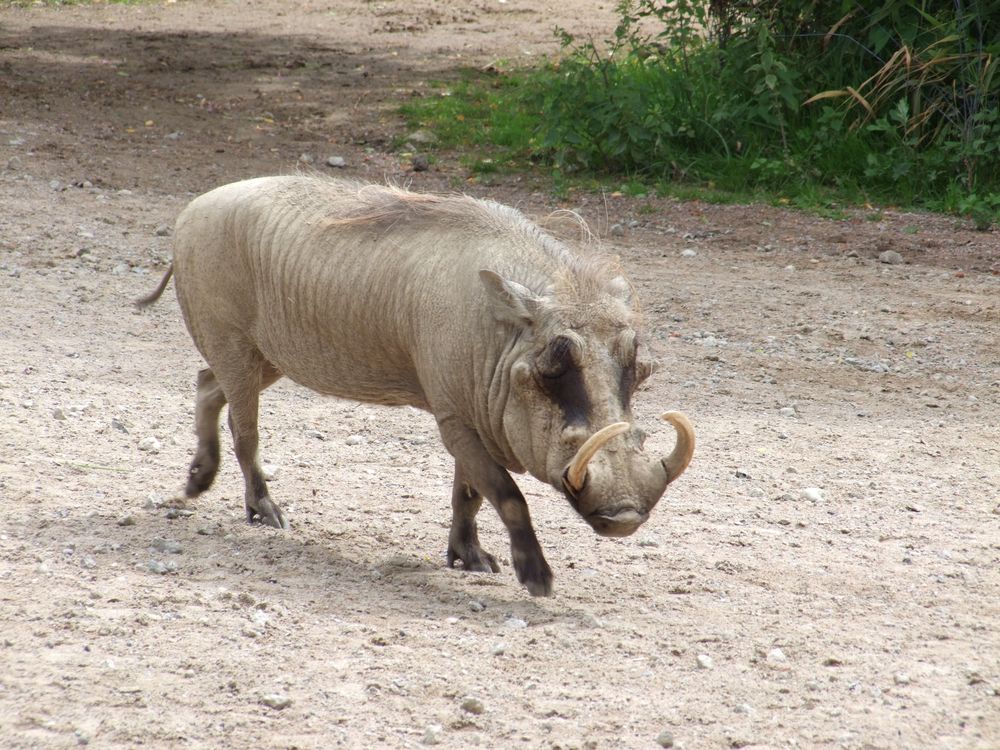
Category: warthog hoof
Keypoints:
(263, 510)
(474, 558)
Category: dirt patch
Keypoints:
(825, 574)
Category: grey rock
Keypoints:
(705, 661)
(472, 705)
(617, 230)
(306, 158)
(119, 425)
(901, 678)
(338, 162)
(354, 439)
(515, 623)
(665, 738)
(315, 434)
(420, 163)
(787, 411)
(476, 606)
(499, 649)
(162, 231)
(270, 471)
(171, 546)
(688, 252)
(890, 257)
(742, 474)
(128, 520)
(422, 137)
(161, 567)
(59, 414)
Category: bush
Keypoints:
(896, 102)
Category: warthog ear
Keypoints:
(511, 302)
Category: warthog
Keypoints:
(525, 353)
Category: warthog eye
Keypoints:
(557, 358)
(562, 379)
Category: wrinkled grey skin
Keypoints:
(461, 307)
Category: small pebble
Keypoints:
(515, 623)
(432, 734)
(472, 705)
(742, 474)
(128, 520)
(665, 738)
(315, 434)
(757, 493)
(688, 252)
(270, 471)
(499, 649)
(277, 701)
(476, 606)
(119, 425)
(890, 257)
(336, 161)
(901, 678)
(162, 231)
(617, 230)
(59, 414)
(776, 657)
(812, 494)
(355, 439)
(705, 661)
(420, 163)
(150, 444)
(787, 411)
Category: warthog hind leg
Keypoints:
(238, 374)
(205, 464)
(463, 541)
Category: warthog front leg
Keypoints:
(484, 474)
(463, 541)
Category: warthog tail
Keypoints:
(144, 302)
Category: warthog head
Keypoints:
(568, 415)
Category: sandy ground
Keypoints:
(747, 612)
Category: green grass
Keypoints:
(528, 121)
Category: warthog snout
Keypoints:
(616, 496)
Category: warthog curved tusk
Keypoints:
(576, 474)
(680, 457)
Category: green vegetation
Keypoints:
(813, 104)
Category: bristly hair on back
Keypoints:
(587, 274)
